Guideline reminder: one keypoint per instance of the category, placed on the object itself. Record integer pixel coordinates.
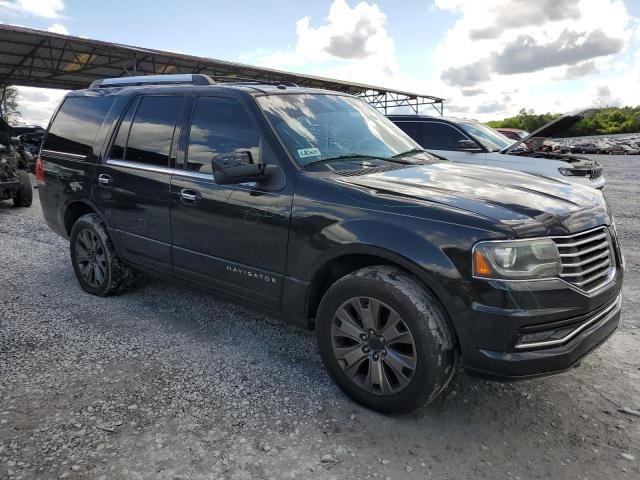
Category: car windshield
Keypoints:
(488, 137)
(321, 128)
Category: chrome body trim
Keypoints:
(606, 314)
(72, 155)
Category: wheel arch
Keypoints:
(356, 257)
(74, 211)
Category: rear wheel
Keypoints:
(24, 198)
(385, 340)
(96, 263)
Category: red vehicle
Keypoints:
(513, 133)
(622, 150)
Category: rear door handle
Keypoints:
(190, 197)
(104, 179)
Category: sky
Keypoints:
(487, 58)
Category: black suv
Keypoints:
(313, 206)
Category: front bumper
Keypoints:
(578, 337)
(528, 329)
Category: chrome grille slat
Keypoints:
(602, 245)
(582, 273)
(587, 258)
(590, 279)
(582, 242)
(585, 262)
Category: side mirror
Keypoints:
(238, 167)
(467, 146)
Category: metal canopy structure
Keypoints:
(37, 58)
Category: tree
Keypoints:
(606, 121)
(9, 104)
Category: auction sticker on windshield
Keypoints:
(308, 152)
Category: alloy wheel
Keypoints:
(373, 346)
(91, 258)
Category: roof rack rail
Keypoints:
(286, 83)
(193, 79)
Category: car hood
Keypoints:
(522, 201)
(552, 129)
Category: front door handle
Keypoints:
(104, 179)
(188, 196)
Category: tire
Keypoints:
(425, 348)
(103, 272)
(24, 198)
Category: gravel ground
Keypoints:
(168, 383)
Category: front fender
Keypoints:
(437, 254)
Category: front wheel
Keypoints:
(385, 340)
(96, 263)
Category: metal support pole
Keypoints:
(3, 92)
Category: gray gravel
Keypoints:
(166, 382)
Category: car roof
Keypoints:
(238, 89)
(428, 117)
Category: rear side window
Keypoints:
(438, 136)
(76, 124)
(149, 136)
(220, 125)
(120, 142)
(409, 128)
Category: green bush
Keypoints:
(606, 121)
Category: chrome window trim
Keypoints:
(187, 173)
(169, 171)
(140, 166)
(606, 314)
(73, 155)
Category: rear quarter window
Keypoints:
(76, 125)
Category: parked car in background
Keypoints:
(561, 148)
(468, 141)
(513, 133)
(31, 141)
(15, 183)
(311, 205)
(585, 148)
(18, 130)
(622, 150)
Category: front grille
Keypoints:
(595, 173)
(587, 258)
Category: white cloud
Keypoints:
(604, 98)
(36, 105)
(58, 28)
(351, 44)
(38, 8)
(537, 46)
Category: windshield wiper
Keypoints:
(410, 152)
(352, 156)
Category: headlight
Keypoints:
(516, 260)
(574, 172)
